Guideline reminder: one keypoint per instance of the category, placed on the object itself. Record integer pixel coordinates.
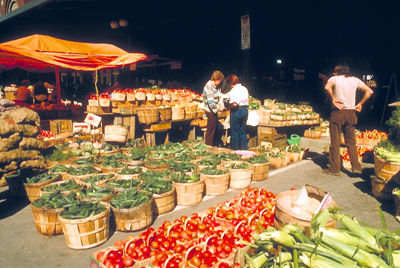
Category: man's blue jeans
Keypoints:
(238, 128)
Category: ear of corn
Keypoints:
(314, 261)
(280, 238)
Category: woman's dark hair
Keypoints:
(232, 80)
(342, 69)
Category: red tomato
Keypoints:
(154, 244)
(108, 263)
(195, 261)
(146, 250)
(100, 255)
(202, 227)
(178, 248)
(224, 265)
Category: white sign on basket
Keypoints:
(93, 119)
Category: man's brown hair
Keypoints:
(217, 75)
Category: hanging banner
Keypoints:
(245, 19)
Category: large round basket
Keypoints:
(385, 169)
(165, 202)
(162, 167)
(215, 184)
(260, 171)
(46, 220)
(127, 176)
(80, 177)
(178, 113)
(114, 151)
(134, 219)
(102, 199)
(284, 214)
(276, 162)
(88, 232)
(33, 189)
(382, 188)
(165, 113)
(42, 191)
(133, 163)
(217, 150)
(98, 183)
(148, 115)
(105, 169)
(188, 194)
(50, 163)
(240, 178)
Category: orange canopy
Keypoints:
(46, 53)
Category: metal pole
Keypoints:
(58, 86)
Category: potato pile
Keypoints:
(19, 147)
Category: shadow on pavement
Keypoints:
(10, 205)
(318, 159)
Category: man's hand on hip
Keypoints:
(338, 104)
(358, 107)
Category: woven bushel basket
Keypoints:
(188, 194)
(165, 114)
(260, 171)
(88, 232)
(165, 202)
(215, 184)
(148, 115)
(33, 189)
(240, 178)
(134, 219)
(46, 220)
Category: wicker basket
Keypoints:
(101, 199)
(215, 184)
(42, 192)
(240, 178)
(188, 194)
(148, 115)
(98, 183)
(165, 202)
(80, 177)
(382, 188)
(276, 162)
(260, 171)
(133, 219)
(33, 189)
(46, 220)
(165, 114)
(115, 151)
(162, 167)
(178, 113)
(88, 232)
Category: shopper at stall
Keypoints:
(41, 93)
(212, 99)
(23, 96)
(238, 103)
(341, 88)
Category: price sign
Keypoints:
(93, 119)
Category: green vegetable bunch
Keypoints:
(98, 177)
(258, 159)
(82, 209)
(130, 171)
(94, 191)
(130, 199)
(54, 200)
(156, 186)
(185, 178)
(214, 171)
(68, 185)
(59, 154)
(241, 165)
(228, 156)
(182, 167)
(78, 171)
(123, 184)
(41, 178)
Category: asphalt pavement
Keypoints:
(22, 246)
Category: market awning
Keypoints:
(41, 52)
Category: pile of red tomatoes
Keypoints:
(208, 239)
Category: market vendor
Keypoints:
(238, 102)
(212, 99)
(23, 96)
(41, 93)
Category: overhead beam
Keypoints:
(24, 8)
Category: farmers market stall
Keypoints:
(44, 53)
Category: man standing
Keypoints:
(341, 88)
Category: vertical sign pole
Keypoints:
(245, 44)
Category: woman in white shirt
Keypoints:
(239, 102)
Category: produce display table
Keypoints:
(151, 130)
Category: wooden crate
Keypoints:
(60, 126)
(269, 134)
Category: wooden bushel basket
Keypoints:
(385, 169)
(188, 194)
(240, 178)
(382, 188)
(165, 202)
(165, 114)
(47, 221)
(216, 184)
(42, 191)
(33, 189)
(284, 214)
(178, 113)
(148, 115)
(134, 219)
(276, 162)
(88, 232)
(260, 171)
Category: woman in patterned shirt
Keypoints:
(212, 95)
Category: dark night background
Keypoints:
(205, 35)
